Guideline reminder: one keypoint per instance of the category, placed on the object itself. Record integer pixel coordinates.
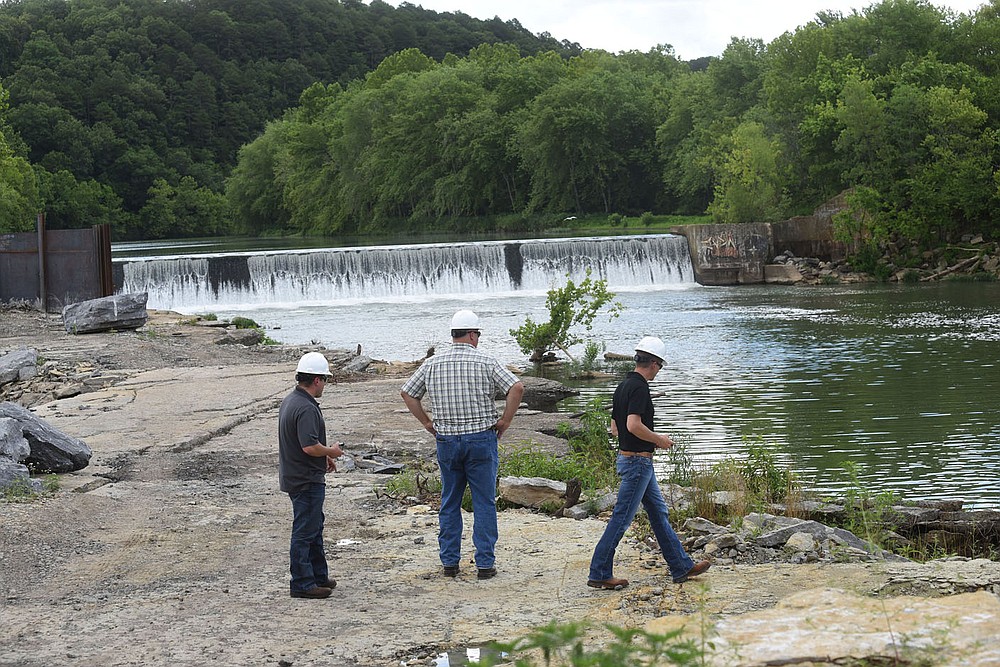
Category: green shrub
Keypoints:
(591, 459)
(244, 323)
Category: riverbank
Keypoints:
(171, 547)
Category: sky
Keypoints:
(695, 28)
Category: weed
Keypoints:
(681, 465)
(412, 483)
(867, 512)
(764, 477)
(589, 360)
(565, 645)
(22, 490)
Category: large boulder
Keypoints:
(534, 492)
(543, 394)
(118, 312)
(21, 364)
(51, 450)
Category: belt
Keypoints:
(625, 452)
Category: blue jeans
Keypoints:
(471, 459)
(308, 562)
(638, 485)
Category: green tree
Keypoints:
(588, 140)
(72, 204)
(752, 183)
(18, 187)
(574, 305)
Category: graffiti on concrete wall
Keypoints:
(718, 247)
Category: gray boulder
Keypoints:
(13, 445)
(118, 312)
(247, 337)
(543, 394)
(16, 475)
(51, 450)
(20, 364)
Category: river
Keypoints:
(901, 380)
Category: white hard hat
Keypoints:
(652, 345)
(313, 363)
(465, 319)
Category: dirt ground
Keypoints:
(171, 547)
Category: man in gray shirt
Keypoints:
(303, 461)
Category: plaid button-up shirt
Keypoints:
(463, 384)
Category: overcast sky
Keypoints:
(694, 28)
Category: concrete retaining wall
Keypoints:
(736, 254)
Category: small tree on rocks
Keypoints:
(569, 306)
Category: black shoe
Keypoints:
(314, 593)
(451, 571)
(327, 583)
(487, 572)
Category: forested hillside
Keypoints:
(132, 112)
(356, 118)
(899, 103)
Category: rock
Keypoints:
(14, 475)
(782, 274)
(358, 364)
(248, 337)
(543, 394)
(534, 492)
(854, 628)
(378, 464)
(576, 512)
(906, 516)
(51, 450)
(700, 525)
(591, 506)
(801, 542)
(121, 311)
(20, 364)
(12, 442)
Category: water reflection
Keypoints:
(900, 381)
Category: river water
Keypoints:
(903, 381)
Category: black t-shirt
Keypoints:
(300, 424)
(632, 398)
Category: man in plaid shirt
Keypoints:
(462, 384)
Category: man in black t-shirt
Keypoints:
(303, 461)
(632, 423)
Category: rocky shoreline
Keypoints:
(973, 258)
(170, 548)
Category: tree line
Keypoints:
(132, 113)
(898, 104)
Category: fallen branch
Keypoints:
(951, 269)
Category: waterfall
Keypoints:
(377, 272)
